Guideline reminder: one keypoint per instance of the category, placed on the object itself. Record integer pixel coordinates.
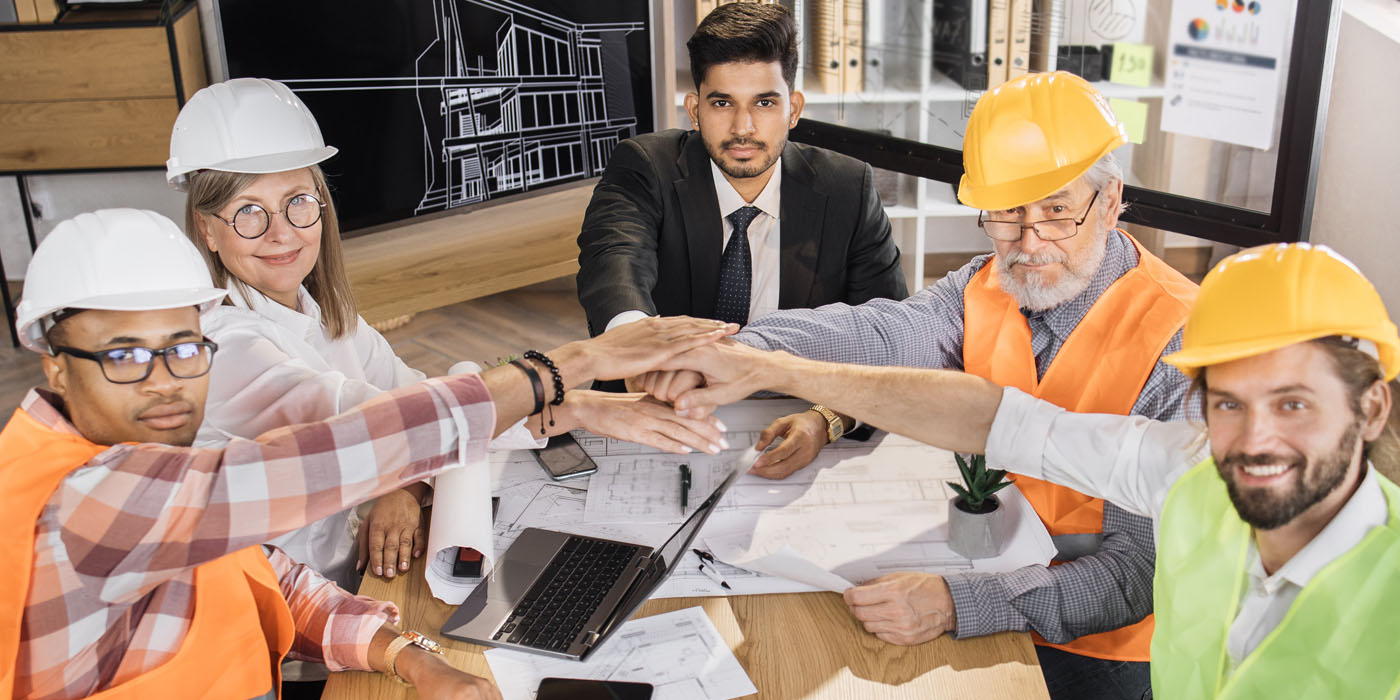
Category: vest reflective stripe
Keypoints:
(1338, 639)
(1100, 368)
(241, 625)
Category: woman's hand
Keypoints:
(393, 534)
(638, 418)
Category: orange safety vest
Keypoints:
(1100, 368)
(241, 626)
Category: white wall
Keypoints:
(59, 197)
(1355, 208)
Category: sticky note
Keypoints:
(1132, 64)
(1133, 115)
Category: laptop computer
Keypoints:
(561, 595)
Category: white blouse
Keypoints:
(278, 366)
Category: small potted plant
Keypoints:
(975, 516)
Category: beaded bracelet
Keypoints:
(535, 384)
(558, 384)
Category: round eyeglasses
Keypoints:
(134, 364)
(1046, 230)
(251, 220)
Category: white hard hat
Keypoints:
(117, 259)
(244, 125)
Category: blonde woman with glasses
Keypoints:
(294, 349)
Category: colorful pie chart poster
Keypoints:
(1224, 69)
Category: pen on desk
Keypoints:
(704, 556)
(685, 487)
(713, 575)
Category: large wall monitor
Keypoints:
(436, 104)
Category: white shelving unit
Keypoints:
(919, 103)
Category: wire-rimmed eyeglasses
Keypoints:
(252, 220)
(1045, 230)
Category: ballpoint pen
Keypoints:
(685, 487)
(713, 575)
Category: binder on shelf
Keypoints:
(998, 41)
(1047, 25)
(853, 45)
(1018, 54)
(827, 44)
(960, 41)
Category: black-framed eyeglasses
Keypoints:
(251, 220)
(1046, 230)
(133, 364)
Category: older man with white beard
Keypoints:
(1069, 309)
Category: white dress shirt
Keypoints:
(765, 242)
(1133, 462)
(278, 366)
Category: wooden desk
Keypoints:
(799, 645)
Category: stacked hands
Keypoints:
(395, 530)
(678, 370)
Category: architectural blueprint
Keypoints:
(680, 653)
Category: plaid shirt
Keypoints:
(117, 543)
(1094, 593)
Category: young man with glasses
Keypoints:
(1069, 309)
(134, 561)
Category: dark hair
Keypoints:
(745, 32)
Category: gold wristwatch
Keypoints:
(834, 427)
(405, 638)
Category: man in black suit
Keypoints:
(658, 235)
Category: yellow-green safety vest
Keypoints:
(1339, 639)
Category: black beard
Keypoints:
(752, 168)
(1265, 511)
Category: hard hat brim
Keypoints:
(1191, 362)
(202, 297)
(258, 165)
(1019, 193)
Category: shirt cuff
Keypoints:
(982, 604)
(1020, 432)
(626, 317)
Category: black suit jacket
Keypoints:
(652, 236)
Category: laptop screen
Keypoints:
(671, 552)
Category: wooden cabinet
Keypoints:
(97, 89)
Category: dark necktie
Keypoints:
(736, 270)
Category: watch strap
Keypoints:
(834, 426)
(401, 642)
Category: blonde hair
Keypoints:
(328, 283)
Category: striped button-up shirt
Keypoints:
(111, 595)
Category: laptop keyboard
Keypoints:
(554, 610)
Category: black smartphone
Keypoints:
(563, 458)
(580, 689)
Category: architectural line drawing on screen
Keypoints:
(547, 103)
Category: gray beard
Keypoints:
(1034, 296)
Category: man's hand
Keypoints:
(640, 418)
(435, 679)
(666, 385)
(732, 371)
(393, 534)
(634, 348)
(803, 434)
(904, 608)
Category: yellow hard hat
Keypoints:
(1029, 137)
(1272, 296)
